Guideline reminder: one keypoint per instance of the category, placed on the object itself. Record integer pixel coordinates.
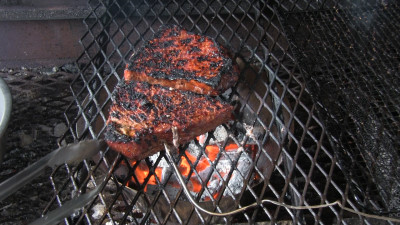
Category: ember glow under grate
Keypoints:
(197, 167)
(276, 148)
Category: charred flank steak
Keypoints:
(182, 60)
(159, 92)
(142, 116)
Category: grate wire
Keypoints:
(271, 95)
(349, 58)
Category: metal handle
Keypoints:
(54, 217)
(70, 154)
(13, 184)
(69, 207)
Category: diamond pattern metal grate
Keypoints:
(352, 70)
(271, 96)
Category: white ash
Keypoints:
(220, 134)
(118, 208)
(238, 159)
(227, 93)
(254, 132)
(224, 166)
(117, 215)
(163, 163)
(76, 214)
(98, 211)
(219, 175)
(90, 185)
(236, 183)
(194, 149)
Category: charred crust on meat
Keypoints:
(134, 118)
(157, 55)
(150, 44)
(147, 106)
(150, 63)
(114, 136)
(171, 29)
(186, 41)
(158, 74)
(127, 105)
(214, 65)
(181, 73)
(167, 44)
(175, 52)
(202, 58)
(141, 132)
(181, 62)
(194, 49)
(154, 137)
(142, 116)
(164, 59)
(164, 64)
(173, 33)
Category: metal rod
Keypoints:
(70, 154)
(54, 217)
(287, 163)
(13, 184)
(187, 192)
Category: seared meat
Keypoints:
(142, 115)
(182, 60)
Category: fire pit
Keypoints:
(217, 165)
(277, 147)
(224, 183)
(203, 165)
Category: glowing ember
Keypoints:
(142, 173)
(204, 165)
(210, 169)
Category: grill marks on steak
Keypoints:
(182, 60)
(158, 93)
(142, 115)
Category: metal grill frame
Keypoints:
(362, 72)
(309, 173)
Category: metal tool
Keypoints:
(70, 154)
(54, 217)
(69, 207)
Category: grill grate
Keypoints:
(40, 96)
(350, 60)
(270, 96)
